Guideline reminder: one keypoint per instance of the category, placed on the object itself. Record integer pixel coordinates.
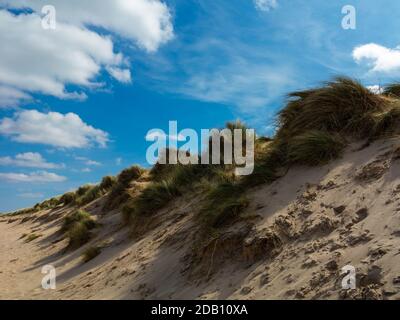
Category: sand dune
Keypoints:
(292, 242)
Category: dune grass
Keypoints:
(340, 106)
(68, 198)
(223, 204)
(315, 147)
(91, 253)
(392, 90)
(312, 129)
(77, 226)
(119, 193)
(165, 186)
(31, 237)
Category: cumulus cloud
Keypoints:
(122, 75)
(265, 5)
(34, 177)
(53, 128)
(377, 89)
(47, 61)
(378, 58)
(11, 97)
(29, 160)
(146, 22)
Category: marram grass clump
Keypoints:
(178, 180)
(223, 204)
(77, 226)
(91, 253)
(119, 191)
(314, 148)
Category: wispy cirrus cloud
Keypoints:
(265, 5)
(31, 195)
(88, 161)
(33, 177)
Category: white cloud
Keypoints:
(377, 89)
(93, 163)
(53, 128)
(118, 161)
(34, 60)
(378, 58)
(11, 97)
(29, 160)
(146, 22)
(265, 5)
(39, 176)
(45, 61)
(242, 83)
(122, 75)
(88, 162)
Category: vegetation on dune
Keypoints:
(31, 237)
(341, 106)
(224, 202)
(119, 192)
(392, 90)
(312, 129)
(68, 198)
(165, 186)
(314, 147)
(91, 253)
(77, 226)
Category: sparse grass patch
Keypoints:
(91, 253)
(93, 192)
(32, 237)
(90, 195)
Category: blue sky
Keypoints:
(76, 102)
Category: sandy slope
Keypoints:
(296, 236)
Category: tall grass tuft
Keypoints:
(224, 203)
(159, 193)
(119, 192)
(77, 226)
(315, 147)
(341, 106)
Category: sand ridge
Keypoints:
(297, 234)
